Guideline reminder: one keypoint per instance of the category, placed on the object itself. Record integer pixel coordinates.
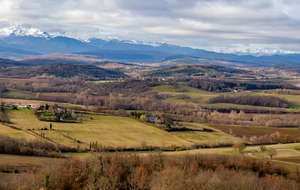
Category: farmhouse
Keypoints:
(157, 120)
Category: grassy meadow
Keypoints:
(287, 155)
(199, 137)
(294, 133)
(114, 131)
(126, 132)
(6, 130)
(202, 97)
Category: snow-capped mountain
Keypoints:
(155, 44)
(257, 51)
(18, 30)
(19, 42)
(22, 31)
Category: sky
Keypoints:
(218, 25)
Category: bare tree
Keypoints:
(271, 152)
(239, 146)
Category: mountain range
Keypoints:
(16, 43)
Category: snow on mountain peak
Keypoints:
(22, 31)
(18, 30)
(256, 51)
(155, 44)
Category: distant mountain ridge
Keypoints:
(62, 58)
(19, 43)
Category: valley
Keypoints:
(65, 111)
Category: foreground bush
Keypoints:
(155, 171)
(36, 147)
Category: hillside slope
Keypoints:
(195, 70)
(63, 70)
(59, 58)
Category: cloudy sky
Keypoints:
(207, 24)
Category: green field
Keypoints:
(192, 92)
(114, 131)
(283, 150)
(204, 96)
(16, 94)
(200, 137)
(126, 132)
(240, 131)
(5, 130)
(287, 155)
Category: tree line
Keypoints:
(268, 101)
(156, 172)
(283, 91)
(213, 85)
(36, 147)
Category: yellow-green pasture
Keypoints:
(287, 155)
(200, 137)
(114, 131)
(192, 92)
(6, 130)
(283, 150)
(204, 96)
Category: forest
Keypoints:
(268, 101)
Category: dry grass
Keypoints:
(257, 131)
(192, 92)
(200, 137)
(54, 95)
(106, 130)
(293, 100)
(283, 150)
(5, 130)
(25, 161)
(56, 137)
(28, 101)
(116, 131)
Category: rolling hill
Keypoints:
(195, 70)
(187, 59)
(60, 58)
(8, 53)
(63, 70)
(11, 63)
(129, 55)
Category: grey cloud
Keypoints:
(189, 22)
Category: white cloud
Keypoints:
(197, 23)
